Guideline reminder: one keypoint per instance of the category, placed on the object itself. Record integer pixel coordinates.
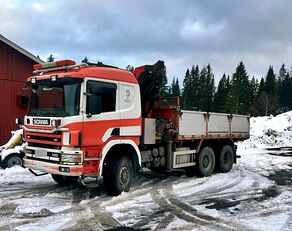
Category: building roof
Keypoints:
(20, 49)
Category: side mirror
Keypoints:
(18, 121)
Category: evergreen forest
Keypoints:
(239, 93)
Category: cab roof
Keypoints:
(81, 71)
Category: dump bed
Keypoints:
(197, 125)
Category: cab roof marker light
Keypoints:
(67, 68)
(60, 63)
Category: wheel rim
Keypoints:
(14, 161)
(124, 176)
(206, 161)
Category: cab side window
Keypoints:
(101, 97)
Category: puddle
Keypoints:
(282, 177)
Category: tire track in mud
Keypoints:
(6, 212)
(176, 208)
(89, 218)
(92, 214)
(227, 199)
(105, 219)
(26, 191)
(215, 190)
(163, 196)
(96, 208)
(198, 217)
(9, 219)
(165, 222)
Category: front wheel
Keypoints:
(206, 162)
(64, 180)
(12, 160)
(118, 176)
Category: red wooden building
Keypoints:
(15, 66)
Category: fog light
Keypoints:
(64, 169)
(54, 77)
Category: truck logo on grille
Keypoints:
(41, 121)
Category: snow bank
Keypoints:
(270, 131)
(17, 174)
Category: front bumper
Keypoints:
(65, 170)
(52, 161)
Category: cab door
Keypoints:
(102, 116)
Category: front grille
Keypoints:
(47, 146)
(52, 139)
(43, 160)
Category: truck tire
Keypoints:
(226, 158)
(12, 160)
(64, 180)
(206, 162)
(118, 176)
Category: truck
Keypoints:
(95, 120)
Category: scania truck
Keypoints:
(95, 120)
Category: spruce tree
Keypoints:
(210, 89)
(270, 82)
(51, 58)
(195, 87)
(281, 86)
(221, 95)
(240, 97)
(261, 88)
(186, 95)
(85, 60)
(175, 89)
(202, 89)
(286, 94)
(254, 85)
(163, 88)
(267, 99)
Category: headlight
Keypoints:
(71, 158)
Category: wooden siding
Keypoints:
(14, 69)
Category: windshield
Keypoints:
(58, 99)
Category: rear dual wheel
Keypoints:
(206, 161)
(226, 159)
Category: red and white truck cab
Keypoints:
(77, 115)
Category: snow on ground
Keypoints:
(270, 131)
(18, 175)
(255, 195)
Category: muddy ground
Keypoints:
(255, 195)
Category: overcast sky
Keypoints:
(137, 32)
